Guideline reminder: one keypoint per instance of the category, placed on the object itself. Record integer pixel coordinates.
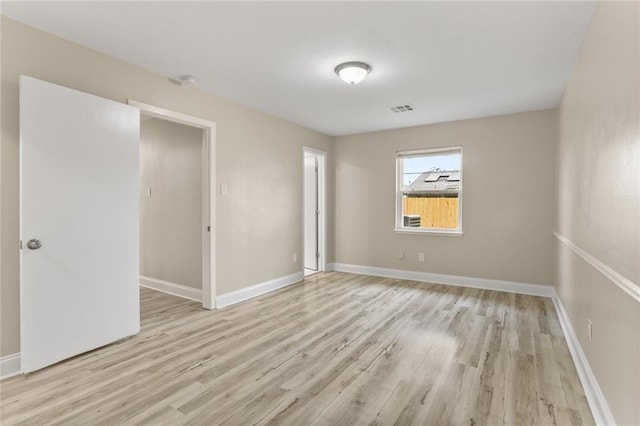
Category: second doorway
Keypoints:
(314, 207)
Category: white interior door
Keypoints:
(311, 212)
(79, 200)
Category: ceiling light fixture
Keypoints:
(353, 72)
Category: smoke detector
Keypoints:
(187, 80)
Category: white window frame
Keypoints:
(399, 226)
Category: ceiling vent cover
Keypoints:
(402, 108)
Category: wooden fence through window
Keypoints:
(435, 212)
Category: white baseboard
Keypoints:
(241, 295)
(10, 365)
(172, 288)
(598, 404)
(460, 281)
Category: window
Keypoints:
(429, 191)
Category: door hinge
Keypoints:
(208, 228)
(20, 244)
(317, 255)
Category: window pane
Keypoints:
(430, 190)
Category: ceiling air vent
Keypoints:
(402, 108)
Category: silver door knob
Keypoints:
(34, 244)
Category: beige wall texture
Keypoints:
(259, 157)
(508, 199)
(171, 225)
(599, 201)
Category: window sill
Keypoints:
(438, 232)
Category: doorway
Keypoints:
(177, 235)
(314, 210)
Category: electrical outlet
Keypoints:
(295, 257)
(420, 257)
(401, 255)
(589, 328)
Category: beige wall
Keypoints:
(599, 201)
(508, 199)
(171, 219)
(258, 156)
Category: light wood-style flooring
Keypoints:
(339, 349)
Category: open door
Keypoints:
(311, 212)
(314, 210)
(78, 222)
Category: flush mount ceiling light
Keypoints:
(353, 72)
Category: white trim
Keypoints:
(624, 283)
(421, 151)
(10, 365)
(428, 231)
(171, 288)
(174, 116)
(598, 404)
(322, 205)
(246, 293)
(314, 151)
(456, 280)
(208, 297)
(209, 212)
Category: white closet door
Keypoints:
(78, 222)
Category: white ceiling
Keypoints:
(450, 60)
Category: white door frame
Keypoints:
(322, 206)
(208, 198)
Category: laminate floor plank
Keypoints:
(336, 349)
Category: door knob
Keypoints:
(34, 244)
